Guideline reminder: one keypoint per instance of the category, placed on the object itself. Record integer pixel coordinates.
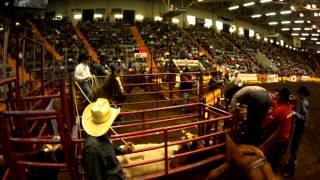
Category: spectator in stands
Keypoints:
(99, 154)
(98, 69)
(258, 101)
(185, 86)
(237, 80)
(301, 118)
(83, 76)
(281, 119)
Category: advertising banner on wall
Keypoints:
(249, 77)
(272, 78)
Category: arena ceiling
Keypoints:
(295, 18)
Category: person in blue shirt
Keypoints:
(301, 118)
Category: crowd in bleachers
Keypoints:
(166, 40)
(62, 36)
(224, 51)
(114, 41)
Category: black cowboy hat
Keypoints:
(285, 93)
(303, 90)
(82, 57)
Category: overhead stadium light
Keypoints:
(95, 16)
(318, 42)
(301, 14)
(315, 14)
(256, 16)
(233, 8)
(308, 6)
(305, 34)
(294, 34)
(139, 17)
(314, 26)
(302, 38)
(175, 20)
(285, 22)
(314, 6)
(314, 39)
(299, 21)
(77, 16)
(273, 23)
(249, 4)
(314, 34)
(292, 8)
(265, 39)
(285, 29)
(271, 14)
(296, 29)
(307, 29)
(265, 1)
(318, 30)
(285, 12)
(1, 28)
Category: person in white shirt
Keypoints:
(83, 76)
(237, 80)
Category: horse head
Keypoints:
(242, 162)
(110, 88)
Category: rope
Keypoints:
(77, 111)
(118, 134)
(82, 92)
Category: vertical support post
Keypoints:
(42, 71)
(166, 166)
(64, 102)
(19, 102)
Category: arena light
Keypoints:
(273, 23)
(219, 25)
(281, 42)
(308, 22)
(314, 39)
(77, 16)
(249, 4)
(265, 39)
(271, 41)
(307, 29)
(258, 36)
(285, 12)
(305, 34)
(314, 6)
(191, 20)
(265, 1)
(301, 14)
(251, 33)
(175, 20)
(256, 16)
(308, 6)
(97, 16)
(233, 8)
(271, 14)
(293, 8)
(233, 28)
(287, 46)
(299, 21)
(1, 29)
(294, 34)
(318, 52)
(285, 22)
(302, 38)
(285, 29)
(314, 26)
(208, 23)
(139, 17)
(315, 14)
(318, 30)
(17, 24)
(296, 29)
(318, 42)
(118, 16)
(315, 35)
(158, 18)
(58, 17)
(277, 43)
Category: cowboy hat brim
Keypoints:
(94, 129)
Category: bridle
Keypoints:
(255, 164)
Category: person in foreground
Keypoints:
(301, 118)
(280, 118)
(99, 154)
(258, 101)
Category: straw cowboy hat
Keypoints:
(98, 117)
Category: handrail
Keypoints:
(7, 80)
(30, 113)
